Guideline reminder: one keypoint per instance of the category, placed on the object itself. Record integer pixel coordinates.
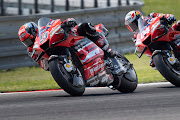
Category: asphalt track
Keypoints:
(148, 102)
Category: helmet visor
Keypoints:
(28, 42)
(133, 27)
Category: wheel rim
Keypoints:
(171, 66)
(71, 78)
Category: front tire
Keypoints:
(64, 79)
(162, 65)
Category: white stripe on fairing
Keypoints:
(90, 54)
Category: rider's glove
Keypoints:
(70, 22)
(86, 29)
(170, 18)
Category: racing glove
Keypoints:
(170, 18)
(70, 22)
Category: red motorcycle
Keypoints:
(157, 40)
(75, 62)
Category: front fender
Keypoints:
(158, 51)
(55, 56)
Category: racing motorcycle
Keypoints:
(76, 62)
(157, 40)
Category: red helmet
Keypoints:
(27, 33)
(131, 20)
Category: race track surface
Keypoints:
(149, 102)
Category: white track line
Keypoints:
(139, 85)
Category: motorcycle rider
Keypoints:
(28, 32)
(131, 22)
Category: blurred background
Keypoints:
(27, 7)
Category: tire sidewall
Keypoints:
(127, 86)
(165, 71)
(61, 81)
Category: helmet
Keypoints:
(131, 20)
(27, 33)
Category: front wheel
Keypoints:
(65, 79)
(166, 69)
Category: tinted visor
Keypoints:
(134, 26)
(28, 42)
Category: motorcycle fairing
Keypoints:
(149, 34)
(91, 57)
(101, 79)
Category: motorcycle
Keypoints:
(76, 62)
(158, 40)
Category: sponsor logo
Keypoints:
(95, 69)
(22, 35)
(21, 31)
(100, 42)
(118, 71)
(50, 23)
(104, 79)
(44, 36)
(116, 66)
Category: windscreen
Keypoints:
(43, 24)
(142, 23)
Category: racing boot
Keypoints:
(104, 45)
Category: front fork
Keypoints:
(66, 60)
(168, 54)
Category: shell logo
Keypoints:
(68, 66)
(171, 59)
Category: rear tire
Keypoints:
(162, 66)
(63, 78)
(129, 80)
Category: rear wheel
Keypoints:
(128, 82)
(170, 72)
(72, 83)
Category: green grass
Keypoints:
(28, 78)
(162, 6)
(35, 78)
(146, 74)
